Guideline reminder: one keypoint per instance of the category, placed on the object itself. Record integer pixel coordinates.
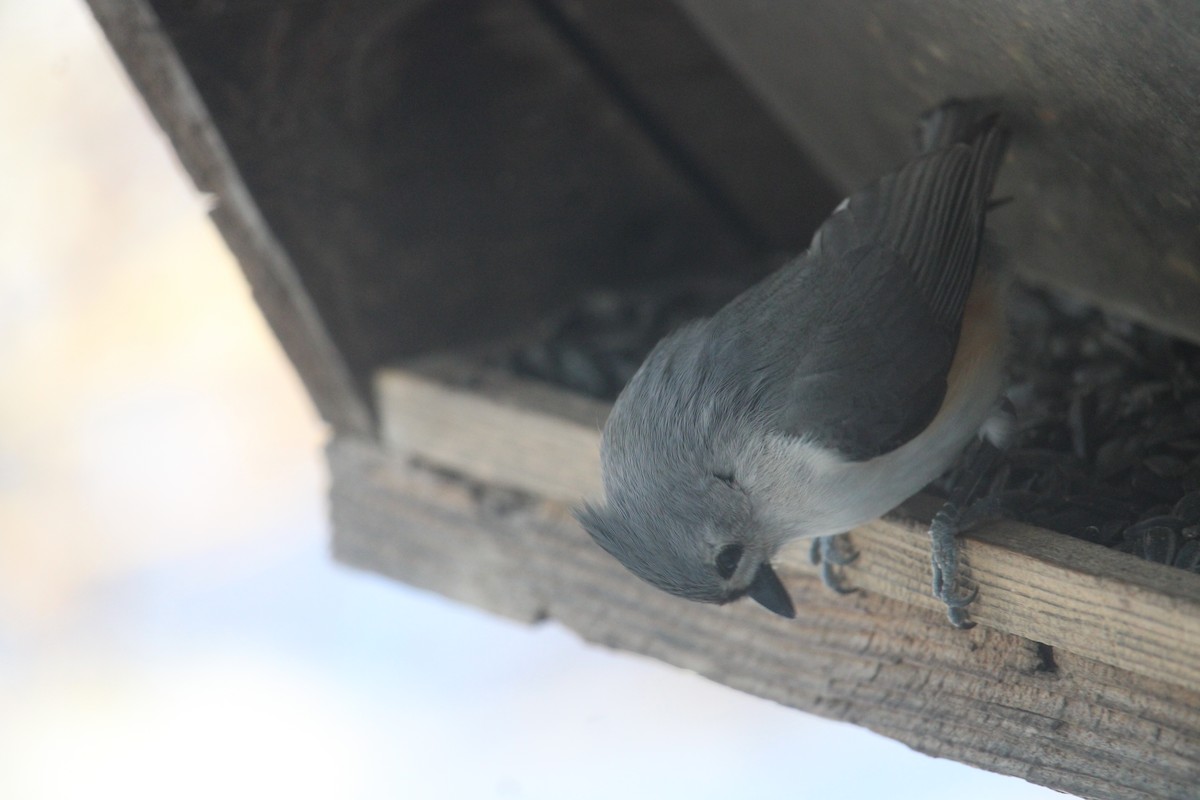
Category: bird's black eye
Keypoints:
(728, 559)
(726, 478)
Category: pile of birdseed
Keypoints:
(595, 346)
(1107, 446)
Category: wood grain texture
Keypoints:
(1047, 587)
(154, 65)
(506, 432)
(1104, 605)
(982, 697)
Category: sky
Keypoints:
(171, 623)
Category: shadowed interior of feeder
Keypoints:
(443, 173)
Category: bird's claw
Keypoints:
(959, 514)
(831, 552)
(944, 557)
(958, 618)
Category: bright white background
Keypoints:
(170, 623)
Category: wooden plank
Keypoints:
(1047, 587)
(982, 697)
(1041, 585)
(499, 430)
(1103, 167)
(154, 65)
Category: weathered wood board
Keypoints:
(167, 87)
(983, 697)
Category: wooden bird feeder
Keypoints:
(407, 183)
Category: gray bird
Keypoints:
(824, 395)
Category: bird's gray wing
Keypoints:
(864, 326)
(930, 214)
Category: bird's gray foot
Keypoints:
(949, 584)
(958, 515)
(831, 552)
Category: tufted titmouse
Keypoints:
(824, 395)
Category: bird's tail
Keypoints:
(955, 120)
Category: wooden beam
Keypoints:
(1048, 587)
(982, 697)
(493, 427)
(154, 65)
(1044, 586)
(1103, 169)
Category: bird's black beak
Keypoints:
(768, 591)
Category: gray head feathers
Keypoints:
(666, 453)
